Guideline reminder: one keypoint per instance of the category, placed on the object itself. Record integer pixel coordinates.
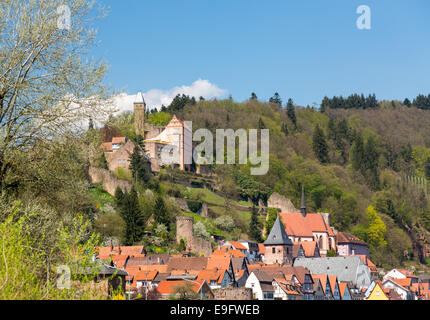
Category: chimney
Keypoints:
(303, 203)
(111, 245)
(119, 248)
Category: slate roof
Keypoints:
(345, 268)
(278, 235)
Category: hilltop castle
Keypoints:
(164, 146)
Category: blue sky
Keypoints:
(303, 49)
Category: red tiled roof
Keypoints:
(221, 263)
(237, 245)
(261, 248)
(288, 286)
(116, 140)
(342, 288)
(332, 280)
(107, 146)
(169, 287)
(229, 252)
(309, 247)
(295, 225)
(211, 275)
(407, 282)
(322, 278)
(343, 237)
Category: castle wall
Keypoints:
(108, 180)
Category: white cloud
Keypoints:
(154, 98)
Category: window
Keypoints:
(273, 250)
(268, 295)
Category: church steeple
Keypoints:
(303, 203)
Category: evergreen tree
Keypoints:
(407, 102)
(91, 124)
(261, 124)
(284, 128)
(319, 145)
(427, 168)
(139, 166)
(291, 113)
(276, 99)
(253, 96)
(255, 226)
(129, 209)
(161, 216)
(371, 163)
(357, 152)
(101, 162)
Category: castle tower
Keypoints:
(278, 246)
(185, 230)
(139, 114)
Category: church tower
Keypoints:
(139, 114)
(278, 246)
(303, 203)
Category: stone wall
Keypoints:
(108, 180)
(282, 203)
(201, 247)
(233, 294)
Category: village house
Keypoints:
(319, 293)
(334, 285)
(375, 292)
(261, 284)
(251, 249)
(345, 292)
(325, 286)
(350, 245)
(400, 286)
(401, 274)
(286, 289)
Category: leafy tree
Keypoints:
(375, 233)
(46, 84)
(319, 145)
(200, 230)
(253, 96)
(291, 113)
(272, 215)
(160, 118)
